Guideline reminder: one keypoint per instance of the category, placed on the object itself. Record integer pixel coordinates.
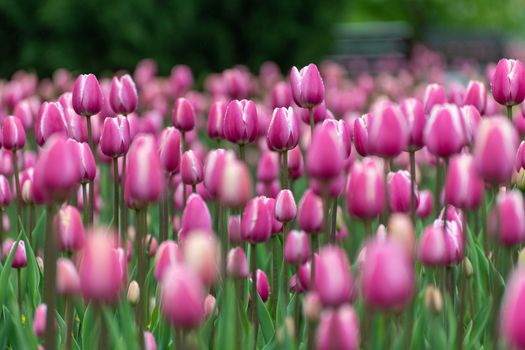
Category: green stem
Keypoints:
(326, 214)
(91, 183)
(19, 280)
(50, 257)
(285, 280)
(116, 196)
(85, 206)
(284, 170)
(255, 319)
(70, 311)
(103, 340)
(334, 221)
(242, 155)
(412, 156)
(312, 123)
(275, 272)
(124, 222)
(18, 192)
(141, 270)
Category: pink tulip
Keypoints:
(310, 215)
(27, 111)
(201, 253)
(86, 161)
(283, 131)
(277, 226)
(20, 256)
(182, 297)
(508, 82)
(343, 132)
(414, 114)
(87, 98)
(445, 131)
(68, 280)
(307, 86)
(463, 186)
(424, 209)
(5, 192)
(123, 96)
(190, 168)
(295, 163)
(256, 223)
(476, 95)
(13, 134)
(39, 321)
(388, 131)
(51, 120)
(361, 135)
(213, 167)
(495, 149)
(236, 263)
(365, 192)
(333, 279)
(240, 122)
(236, 82)
(115, 137)
(196, 216)
(170, 150)
(507, 220)
(285, 208)
(325, 156)
(181, 80)
(268, 167)
(183, 115)
(399, 191)
(434, 95)
(149, 341)
(511, 326)
(338, 329)
(235, 188)
(234, 229)
(167, 254)
(281, 95)
(382, 288)
(296, 248)
(471, 118)
(68, 225)
(441, 248)
(216, 119)
(319, 113)
(263, 287)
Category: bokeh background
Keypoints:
(210, 35)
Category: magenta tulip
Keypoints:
(123, 97)
(87, 98)
(240, 122)
(307, 86)
(115, 138)
(508, 82)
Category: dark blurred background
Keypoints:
(210, 35)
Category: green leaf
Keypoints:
(265, 321)
(114, 334)
(6, 271)
(90, 331)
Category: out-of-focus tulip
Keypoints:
(87, 98)
(209, 306)
(433, 299)
(333, 279)
(144, 180)
(13, 134)
(424, 209)
(181, 80)
(216, 119)
(236, 264)
(27, 111)
(182, 297)
(256, 223)
(387, 275)
(399, 191)
(307, 86)
(68, 280)
(235, 188)
(234, 229)
(296, 248)
(86, 161)
(201, 253)
(281, 95)
(263, 287)
(434, 95)
(414, 114)
(508, 82)
(343, 132)
(312, 306)
(190, 168)
(115, 137)
(5, 192)
(338, 329)
(68, 225)
(285, 208)
(495, 149)
(295, 163)
(123, 97)
(512, 328)
(240, 122)
(445, 131)
(167, 254)
(471, 118)
(401, 229)
(507, 220)
(325, 156)
(476, 95)
(51, 120)
(268, 167)
(388, 131)
(149, 341)
(277, 226)
(283, 131)
(463, 186)
(319, 113)
(39, 321)
(365, 192)
(236, 81)
(196, 216)
(441, 248)
(183, 115)
(214, 165)
(310, 215)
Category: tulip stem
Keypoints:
(285, 272)
(312, 124)
(437, 189)
(255, 319)
(284, 170)
(412, 155)
(19, 279)
(50, 256)
(326, 214)
(91, 183)
(275, 273)
(123, 209)
(296, 314)
(141, 270)
(70, 310)
(334, 221)
(462, 305)
(30, 225)
(85, 208)
(310, 345)
(509, 112)
(242, 156)
(116, 196)
(18, 192)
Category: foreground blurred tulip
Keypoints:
(438, 247)
(237, 266)
(115, 136)
(235, 188)
(51, 120)
(216, 120)
(195, 216)
(333, 279)
(512, 327)
(307, 86)
(507, 220)
(68, 280)
(182, 297)
(296, 248)
(476, 95)
(87, 98)
(463, 186)
(201, 253)
(68, 225)
(388, 131)
(310, 215)
(424, 209)
(39, 321)
(445, 131)
(123, 97)
(324, 159)
(338, 329)
(167, 254)
(240, 123)
(365, 192)
(495, 149)
(508, 82)
(382, 288)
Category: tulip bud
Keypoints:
(439, 247)
(365, 192)
(181, 79)
(256, 224)
(401, 230)
(39, 321)
(312, 306)
(333, 279)
(463, 187)
(281, 95)
(190, 168)
(295, 163)
(87, 98)
(68, 281)
(319, 113)
(144, 181)
(424, 209)
(133, 293)
(268, 167)
(237, 266)
(307, 86)
(388, 131)
(285, 208)
(338, 329)
(195, 216)
(445, 131)
(5, 192)
(213, 169)
(511, 327)
(20, 256)
(433, 299)
(324, 160)
(415, 117)
(27, 111)
(495, 149)
(283, 131)
(149, 341)
(235, 187)
(399, 191)
(68, 225)
(115, 137)
(51, 120)
(209, 306)
(310, 215)
(263, 287)
(296, 248)
(202, 255)
(183, 115)
(519, 180)
(216, 119)
(234, 229)
(86, 161)
(476, 95)
(13, 134)
(508, 82)
(123, 96)
(167, 254)
(170, 150)
(471, 118)
(236, 82)
(182, 297)
(434, 95)
(381, 288)
(507, 220)
(240, 122)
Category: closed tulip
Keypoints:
(307, 86)
(399, 191)
(13, 134)
(27, 111)
(463, 186)
(338, 329)
(51, 120)
(424, 209)
(471, 118)
(281, 95)
(39, 321)
(333, 279)
(195, 216)
(319, 113)
(20, 256)
(170, 150)
(283, 131)
(434, 95)
(115, 138)
(441, 248)
(508, 82)
(236, 264)
(240, 122)
(445, 131)
(183, 115)
(216, 119)
(285, 207)
(68, 280)
(296, 248)
(365, 192)
(167, 254)
(388, 131)
(86, 161)
(5, 192)
(310, 215)
(235, 188)
(190, 168)
(414, 113)
(263, 286)
(201, 253)
(256, 224)
(507, 220)
(123, 97)
(68, 225)
(268, 167)
(476, 95)
(325, 156)
(511, 326)
(87, 98)
(361, 134)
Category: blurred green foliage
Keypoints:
(209, 35)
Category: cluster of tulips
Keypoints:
(314, 211)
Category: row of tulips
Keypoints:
(310, 212)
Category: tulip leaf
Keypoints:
(116, 340)
(265, 321)
(6, 271)
(90, 331)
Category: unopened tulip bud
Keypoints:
(401, 230)
(235, 188)
(433, 299)
(471, 118)
(445, 131)
(20, 257)
(325, 157)
(283, 131)
(237, 266)
(51, 120)
(5, 192)
(434, 95)
(333, 279)
(123, 97)
(115, 138)
(338, 329)
(39, 321)
(365, 192)
(27, 111)
(13, 134)
(268, 167)
(86, 161)
(240, 122)
(234, 229)
(414, 113)
(312, 306)
(167, 254)
(388, 131)
(182, 297)
(399, 191)
(507, 220)
(296, 248)
(495, 149)
(191, 168)
(196, 216)
(508, 82)
(476, 95)
(68, 225)
(519, 180)
(87, 98)
(256, 223)
(68, 280)
(183, 115)
(310, 215)
(463, 186)
(511, 327)
(424, 209)
(439, 247)
(133, 293)
(307, 86)
(285, 207)
(149, 341)
(40, 264)
(201, 253)
(263, 287)
(170, 150)
(216, 119)
(209, 306)
(281, 95)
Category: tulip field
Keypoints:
(315, 209)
